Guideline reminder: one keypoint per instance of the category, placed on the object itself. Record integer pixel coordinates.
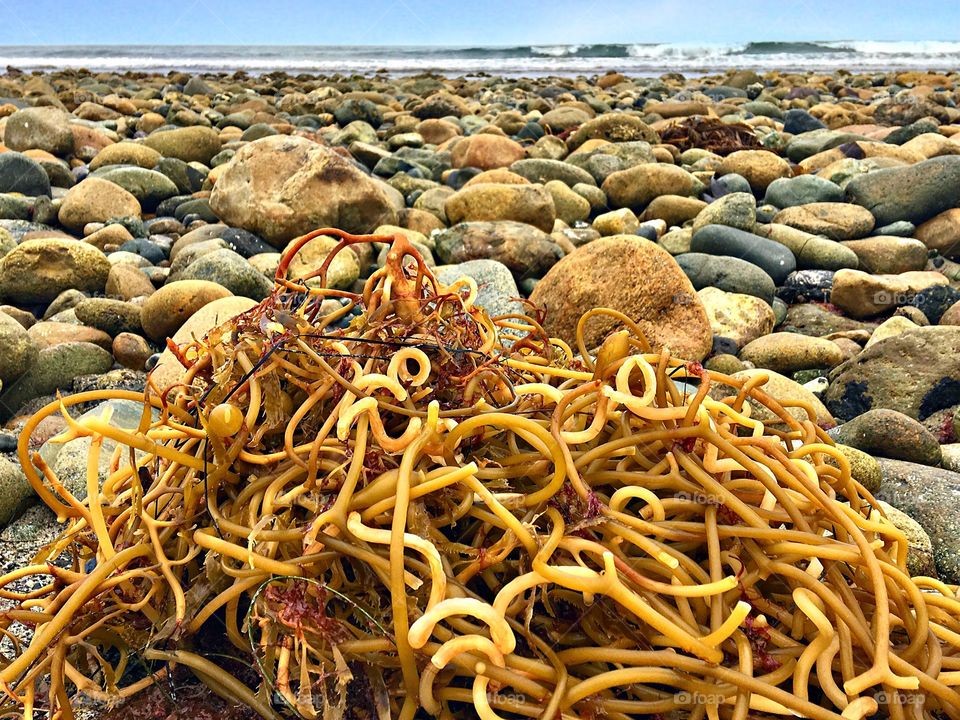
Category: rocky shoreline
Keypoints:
(804, 226)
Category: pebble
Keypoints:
(759, 167)
(635, 187)
(111, 316)
(737, 210)
(914, 193)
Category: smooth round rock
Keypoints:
(771, 257)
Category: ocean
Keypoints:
(647, 59)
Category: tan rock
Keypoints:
(786, 392)
(570, 206)
(631, 275)
(531, 204)
(112, 234)
(497, 175)
(169, 370)
(343, 270)
(48, 334)
(616, 222)
(673, 209)
(942, 233)
(837, 221)
(283, 186)
(36, 271)
(742, 318)
(889, 328)
(636, 187)
(886, 255)
(190, 144)
(96, 200)
(436, 131)
(786, 352)
(486, 152)
(166, 310)
(126, 282)
(861, 295)
(131, 350)
(759, 167)
(126, 153)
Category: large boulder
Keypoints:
(280, 187)
(634, 276)
(916, 372)
(915, 193)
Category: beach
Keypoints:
(782, 217)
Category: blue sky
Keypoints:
(475, 22)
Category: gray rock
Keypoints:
(542, 171)
(21, 174)
(800, 190)
(17, 350)
(148, 186)
(55, 369)
(230, 270)
(497, 290)
(726, 273)
(931, 496)
(771, 257)
(15, 491)
(810, 143)
(915, 193)
(39, 128)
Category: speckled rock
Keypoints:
(736, 210)
(496, 289)
(18, 351)
(864, 468)
(915, 372)
(759, 167)
(190, 144)
(741, 318)
(920, 557)
(526, 250)
(15, 491)
(890, 434)
(615, 272)
(635, 187)
(39, 270)
(837, 221)
(111, 316)
(530, 204)
(788, 352)
(228, 269)
(930, 496)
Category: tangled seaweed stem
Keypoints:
(413, 512)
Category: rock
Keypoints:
(497, 290)
(920, 558)
(889, 328)
(544, 170)
(613, 127)
(931, 497)
(786, 392)
(96, 200)
(818, 320)
(915, 193)
(126, 153)
(635, 187)
(861, 295)
(570, 207)
(343, 270)
(55, 369)
(47, 334)
(485, 152)
(531, 204)
(864, 468)
(280, 187)
(112, 234)
(890, 434)
(526, 250)
(797, 121)
(39, 270)
(616, 272)
(21, 174)
(787, 352)
(672, 209)
(111, 316)
(17, 350)
(812, 252)
(168, 369)
(727, 273)
(616, 222)
(773, 258)
(149, 187)
(914, 372)
(131, 350)
(355, 109)
(952, 315)
(736, 210)
(228, 269)
(126, 282)
(837, 221)
(759, 167)
(934, 301)
(741, 318)
(39, 128)
(801, 190)
(563, 118)
(888, 255)
(15, 492)
(190, 144)
(940, 233)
